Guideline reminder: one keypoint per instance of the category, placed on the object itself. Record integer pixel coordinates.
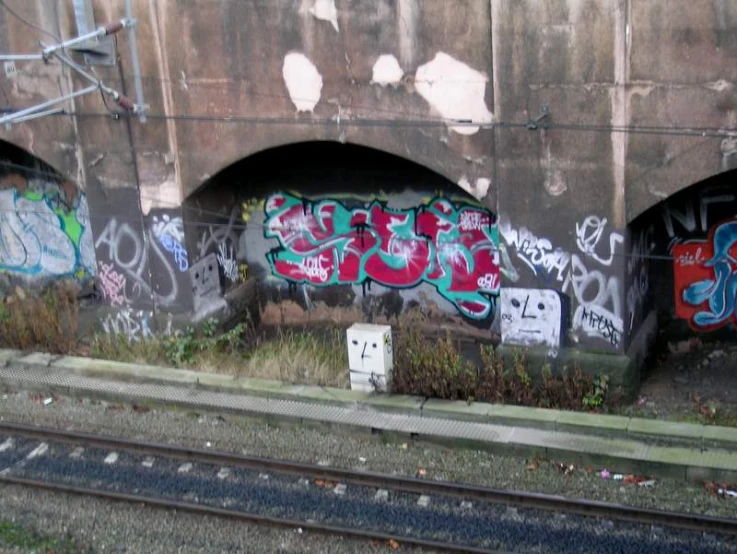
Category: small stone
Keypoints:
(382, 495)
(223, 473)
(148, 462)
(607, 523)
(111, 458)
(263, 476)
(466, 505)
(303, 482)
(340, 489)
(423, 501)
(184, 468)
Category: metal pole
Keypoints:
(100, 32)
(20, 57)
(16, 115)
(52, 111)
(134, 60)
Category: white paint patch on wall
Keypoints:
(454, 90)
(165, 195)
(478, 190)
(531, 317)
(303, 81)
(326, 11)
(387, 71)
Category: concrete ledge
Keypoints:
(7, 356)
(655, 432)
(398, 418)
(672, 431)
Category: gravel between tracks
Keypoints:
(252, 436)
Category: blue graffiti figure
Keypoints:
(720, 292)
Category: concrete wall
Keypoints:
(227, 80)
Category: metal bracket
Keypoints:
(534, 124)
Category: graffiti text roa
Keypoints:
(450, 245)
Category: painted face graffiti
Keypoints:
(450, 245)
(531, 317)
(706, 278)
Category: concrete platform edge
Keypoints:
(612, 427)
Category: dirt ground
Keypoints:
(690, 381)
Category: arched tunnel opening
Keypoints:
(329, 232)
(45, 232)
(683, 267)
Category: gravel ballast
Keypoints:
(255, 437)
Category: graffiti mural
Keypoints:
(447, 244)
(705, 274)
(41, 236)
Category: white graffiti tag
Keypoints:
(588, 235)
(227, 261)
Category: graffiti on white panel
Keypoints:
(531, 317)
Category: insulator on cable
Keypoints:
(113, 27)
(125, 102)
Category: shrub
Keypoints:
(48, 322)
(437, 370)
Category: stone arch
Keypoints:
(475, 185)
(45, 231)
(698, 160)
(359, 207)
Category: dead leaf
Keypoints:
(394, 545)
(533, 465)
(589, 469)
(139, 409)
(422, 472)
(320, 482)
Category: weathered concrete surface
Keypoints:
(228, 80)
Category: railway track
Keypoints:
(31, 470)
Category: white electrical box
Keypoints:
(370, 356)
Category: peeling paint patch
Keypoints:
(455, 90)
(478, 190)
(387, 71)
(555, 184)
(326, 11)
(303, 81)
(165, 195)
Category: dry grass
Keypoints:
(295, 356)
(300, 357)
(47, 322)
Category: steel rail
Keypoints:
(588, 508)
(203, 509)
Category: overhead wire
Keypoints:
(29, 23)
(242, 227)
